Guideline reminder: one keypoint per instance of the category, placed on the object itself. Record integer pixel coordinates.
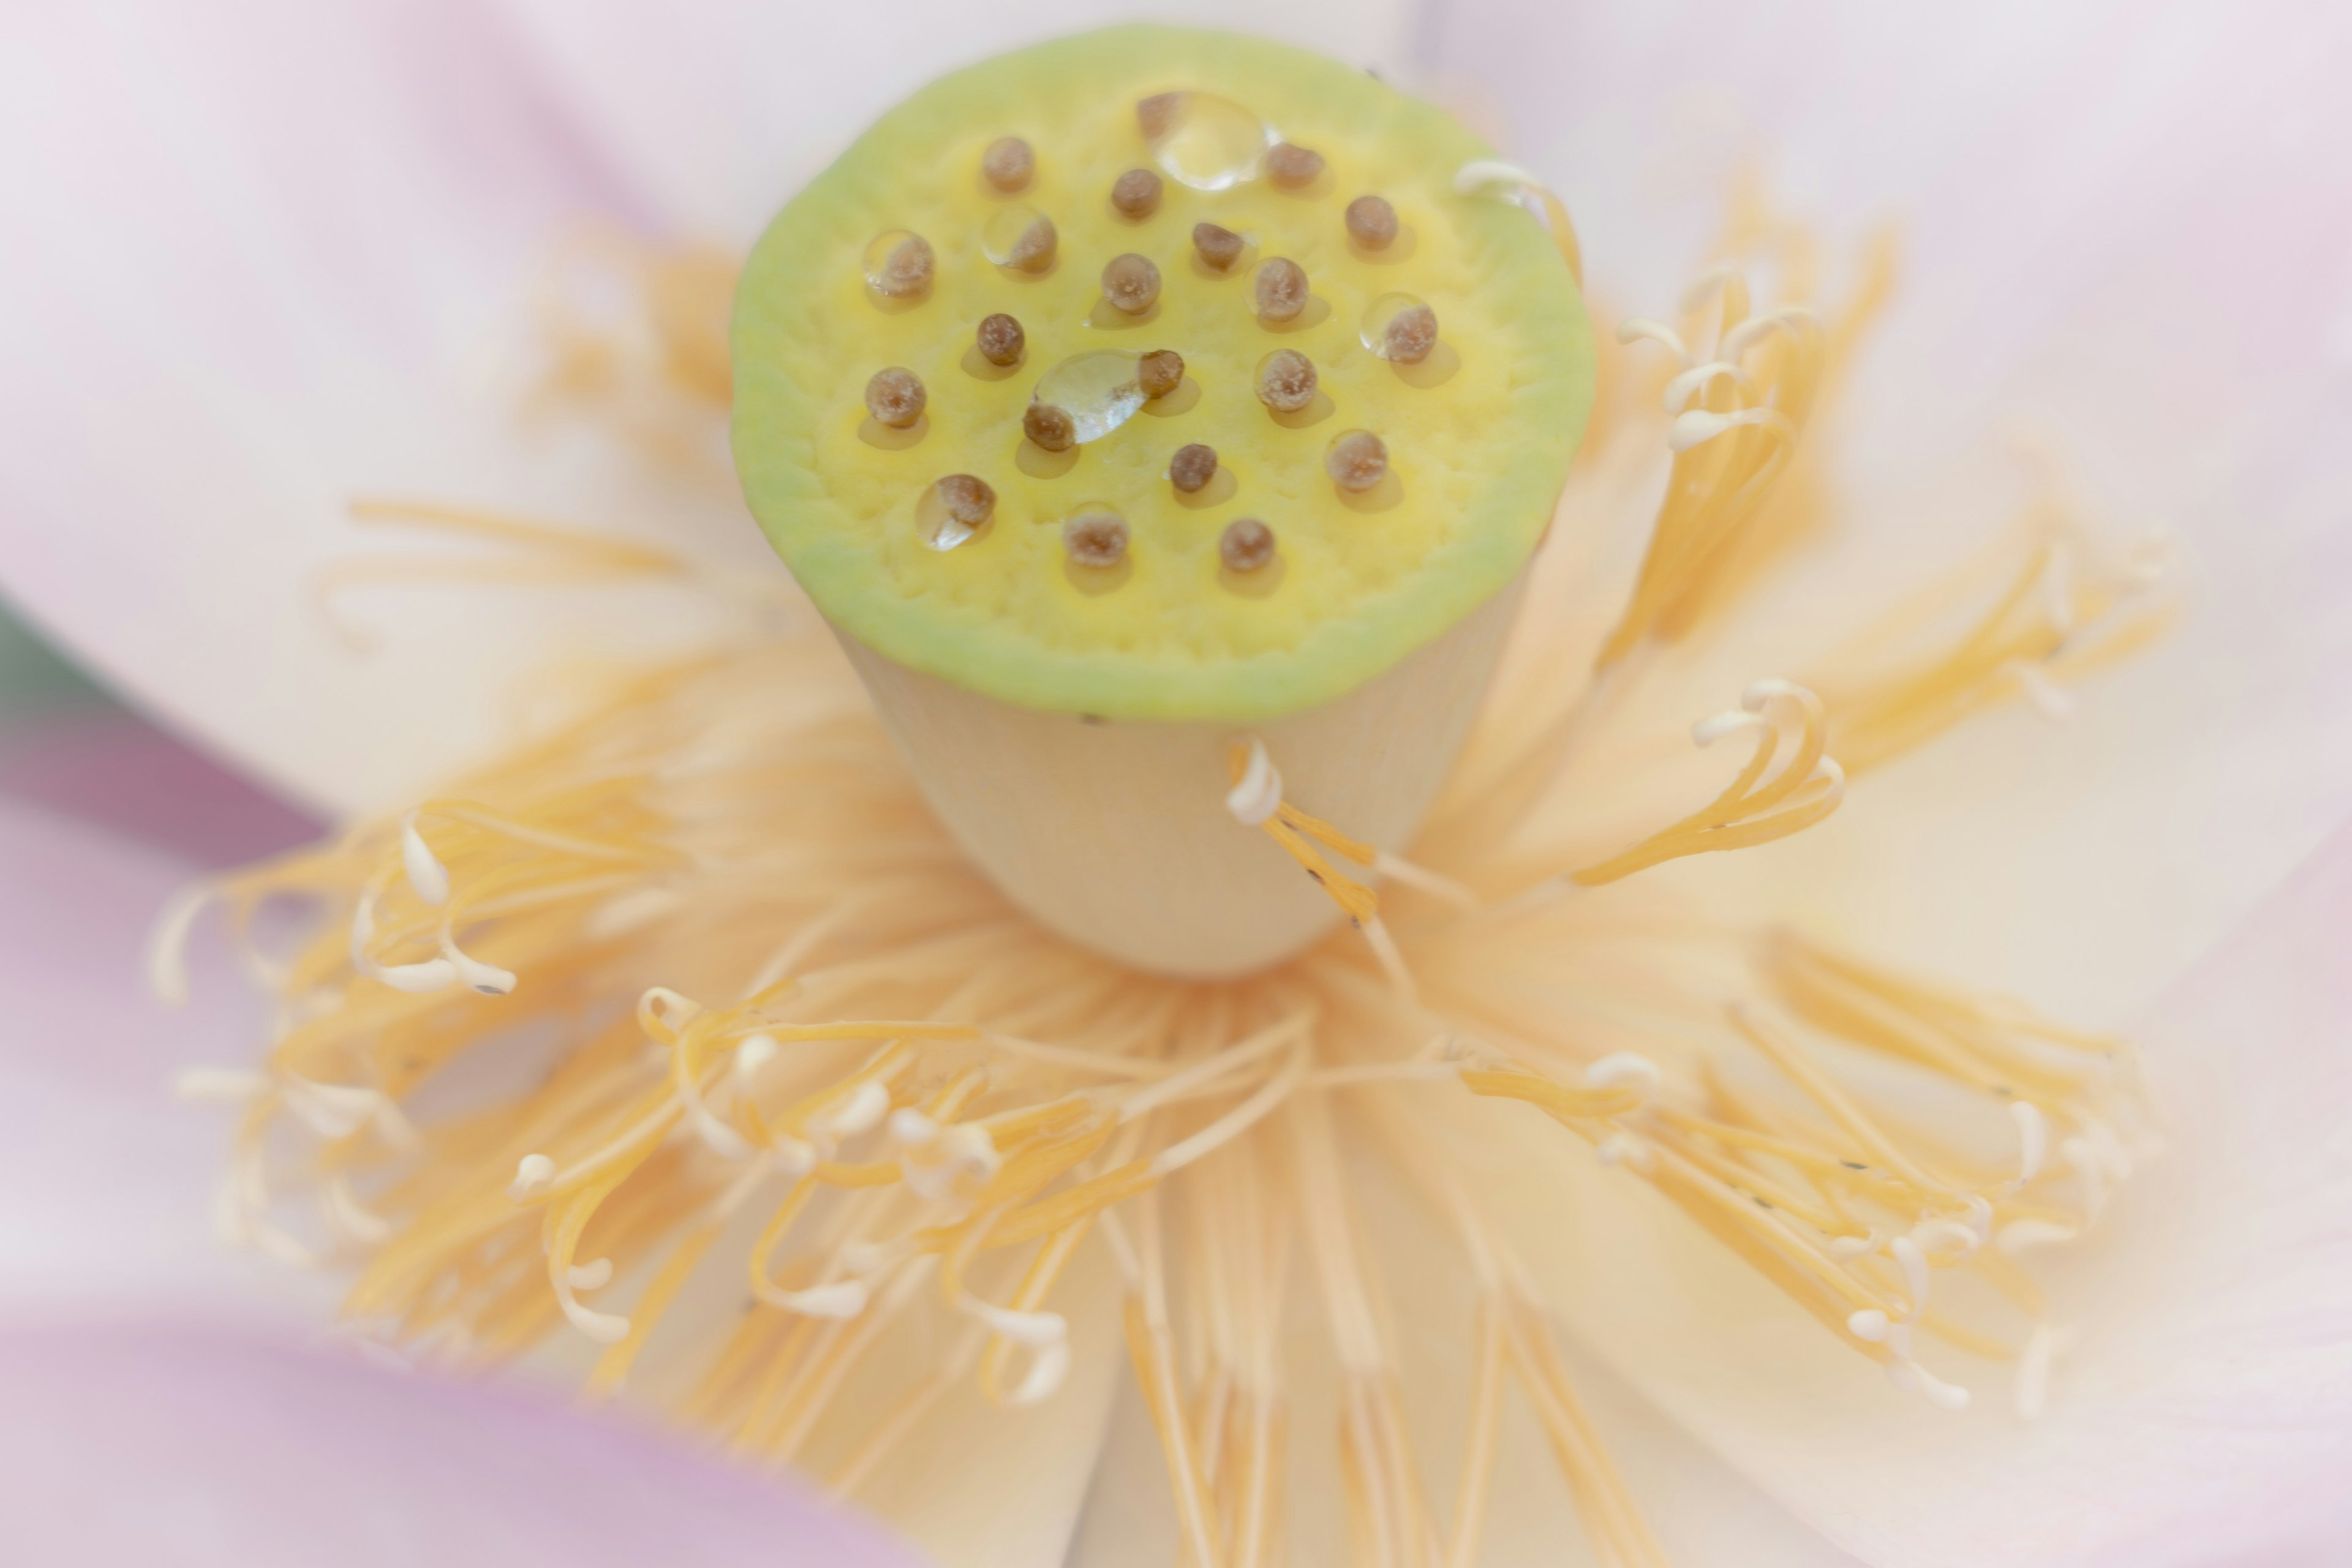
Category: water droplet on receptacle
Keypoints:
(1399, 327)
(1201, 140)
(1100, 390)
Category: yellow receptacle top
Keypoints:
(1478, 434)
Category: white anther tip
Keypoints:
(2033, 1139)
(720, 1139)
(1257, 795)
(1047, 1370)
(593, 1276)
(1624, 1068)
(843, 1299)
(426, 874)
(1696, 427)
(912, 1128)
(756, 1052)
(1869, 1324)
(865, 1108)
(533, 1174)
(1483, 173)
(1036, 1329)
(1730, 721)
(1622, 1149)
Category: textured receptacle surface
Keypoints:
(1478, 434)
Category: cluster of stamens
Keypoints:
(925, 1103)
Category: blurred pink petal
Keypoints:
(188, 1445)
(107, 770)
(105, 1177)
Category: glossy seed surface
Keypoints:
(1193, 468)
(1245, 545)
(896, 397)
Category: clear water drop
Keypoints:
(953, 511)
(1208, 142)
(1019, 237)
(1100, 390)
(899, 264)
(1399, 327)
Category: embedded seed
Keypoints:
(1130, 283)
(1155, 114)
(1245, 545)
(967, 497)
(1372, 223)
(1291, 166)
(1411, 333)
(896, 397)
(906, 271)
(1357, 461)
(1136, 194)
(1281, 290)
(1286, 382)
(1008, 162)
(1049, 426)
(1034, 251)
(1095, 538)
(1193, 468)
(1162, 373)
(1000, 340)
(1220, 248)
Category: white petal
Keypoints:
(718, 108)
(2110, 246)
(2209, 1404)
(266, 261)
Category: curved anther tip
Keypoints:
(533, 1174)
(1624, 1068)
(756, 1052)
(843, 1299)
(1689, 382)
(1048, 1369)
(1639, 329)
(427, 876)
(1256, 795)
(864, 1109)
(720, 1138)
(1483, 173)
(911, 1126)
(1730, 721)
